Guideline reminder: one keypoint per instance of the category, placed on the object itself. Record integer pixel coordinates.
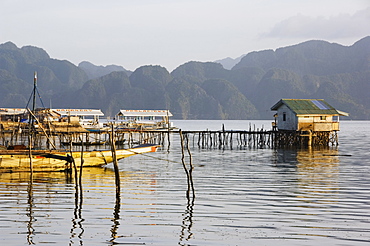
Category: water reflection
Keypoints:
(243, 197)
(77, 220)
(30, 229)
(100, 175)
(314, 164)
(46, 197)
(317, 170)
(187, 222)
(116, 218)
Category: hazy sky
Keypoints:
(132, 33)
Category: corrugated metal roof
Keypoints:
(308, 106)
(12, 111)
(144, 113)
(80, 112)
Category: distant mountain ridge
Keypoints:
(311, 57)
(197, 90)
(315, 69)
(94, 71)
(17, 66)
(229, 63)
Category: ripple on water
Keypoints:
(242, 196)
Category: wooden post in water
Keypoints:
(30, 152)
(74, 163)
(190, 180)
(188, 172)
(168, 136)
(309, 138)
(224, 134)
(231, 140)
(82, 162)
(115, 163)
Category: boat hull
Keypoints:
(19, 161)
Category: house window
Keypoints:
(284, 116)
(322, 117)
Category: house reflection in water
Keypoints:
(317, 170)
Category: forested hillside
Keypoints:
(196, 90)
(17, 67)
(314, 69)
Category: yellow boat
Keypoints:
(54, 160)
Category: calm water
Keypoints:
(242, 197)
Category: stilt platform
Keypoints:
(252, 138)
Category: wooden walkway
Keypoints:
(221, 139)
(260, 139)
(229, 139)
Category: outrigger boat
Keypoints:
(54, 160)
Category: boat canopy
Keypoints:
(143, 113)
(79, 112)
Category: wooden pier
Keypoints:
(219, 139)
(215, 139)
(259, 139)
(229, 139)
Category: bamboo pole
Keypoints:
(81, 166)
(188, 172)
(30, 152)
(191, 169)
(46, 135)
(115, 163)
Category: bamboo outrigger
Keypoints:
(55, 160)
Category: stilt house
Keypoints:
(306, 122)
(306, 114)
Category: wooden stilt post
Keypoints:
(309, 138)
(224, 135)
(115, 163)
(30, 151)
(82, 162)
(187, 171)
(168, 137)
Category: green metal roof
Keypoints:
(308, 106)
